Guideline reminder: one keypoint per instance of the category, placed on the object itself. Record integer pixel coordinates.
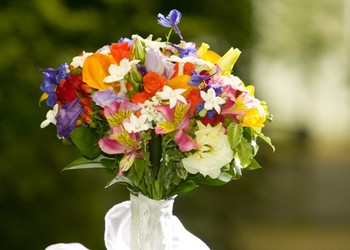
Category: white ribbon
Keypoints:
(152, 224)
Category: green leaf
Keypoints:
(139, 168)
(253, 165)
(184, 187)
(85, 163)
(267, 140)
(222, 179)
(235, 134)
(244, 152)
(86, 141)
(121, 180)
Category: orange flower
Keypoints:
(96, 69)
(194, 99)
(120, 51)
(185, 70)
(140, 97)
(152, 82)
(181, 82)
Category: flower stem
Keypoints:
(155, 153)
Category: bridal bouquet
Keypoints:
(160, 117)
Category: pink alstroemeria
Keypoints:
(238, 103)
(122, 142)
(177, 120)
(118, 111)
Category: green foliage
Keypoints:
(86, 141)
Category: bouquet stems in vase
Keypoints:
(162, 118)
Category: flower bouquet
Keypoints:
(161, 118)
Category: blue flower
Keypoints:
(52, 78)
(184, 52)
(172, 20)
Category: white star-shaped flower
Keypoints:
(50, 117)
(212, 101)
(136, 124)
(173, 95)
(117, 72)
(78, 61)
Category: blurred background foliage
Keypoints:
(295, 52)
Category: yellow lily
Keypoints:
(206, 54)
(227, 61)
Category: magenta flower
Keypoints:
(172, 20)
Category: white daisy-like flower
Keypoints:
(173, 95)
(117, 72)
(50, 117)
(136, 124)
(211, 100)
(78, 61)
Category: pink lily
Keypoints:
(177, 120)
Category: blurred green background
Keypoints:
(296, 53)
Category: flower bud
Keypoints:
(138, 51)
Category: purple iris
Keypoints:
(218, 88)
(172, 20)
(52, 78)
(185, 52)
(66, 118)
(196, 78)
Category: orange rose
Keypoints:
(152, 82)
(120, 51)
(140, 97)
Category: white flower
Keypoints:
(155, 45)
(50, 117)
(211, 100)
(214, 152)
(152, 114)
(117, 72)
(173, 95)
(136, 124)
(78, 61)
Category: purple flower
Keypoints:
(66, 118)
(196, 78)
(185, 52)
(52, 78)
(105, 98)
(172, 20)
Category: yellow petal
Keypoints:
(207, 55)
(95, 69)
(181, 82)
(43, 97)
(227, 61)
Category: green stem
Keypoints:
(155, 153)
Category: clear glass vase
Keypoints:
(143, 223)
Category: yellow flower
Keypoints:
(227, 61)
(255, 117)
